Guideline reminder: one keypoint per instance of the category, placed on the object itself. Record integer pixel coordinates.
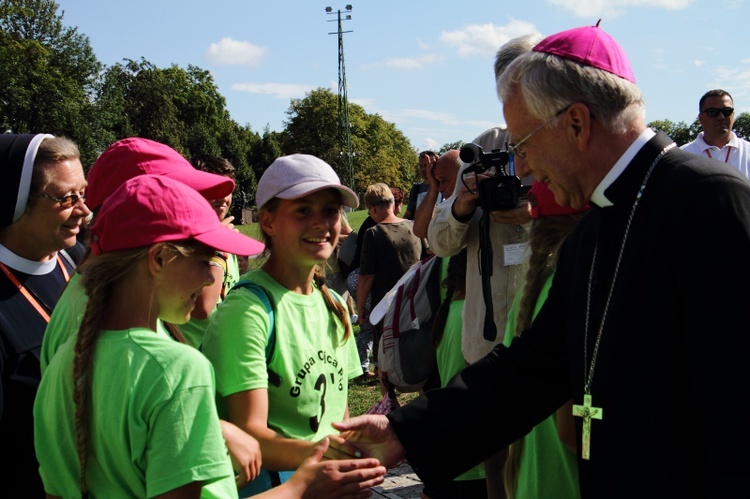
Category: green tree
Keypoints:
(742, 126)
(381, 152)
(179, 107)
(680, 132)
(262, 153)
(49, 75)
(451, 145)
(383, 155)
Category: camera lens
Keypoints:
(470, 152)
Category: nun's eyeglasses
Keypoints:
(68, 201)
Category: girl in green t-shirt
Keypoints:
(288, 397)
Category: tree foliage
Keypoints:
(742, 126)
(381, 152)
(451, 145)
(680, 132)
(49, 75)
(179, 107)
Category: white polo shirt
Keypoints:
(735, 153)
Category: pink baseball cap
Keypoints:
(297, 175)
(591, 46)
(128, 158)
(150, 209)
(543, 202)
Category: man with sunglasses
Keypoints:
(717, 140)
(42, 211)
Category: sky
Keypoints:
(426, 66)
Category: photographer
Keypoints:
(456, 225)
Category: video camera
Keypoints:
(501, 192)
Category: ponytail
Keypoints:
(334, 305)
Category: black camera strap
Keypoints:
(485, 269)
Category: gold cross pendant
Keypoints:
(587, 412)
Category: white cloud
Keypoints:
(277, 90)
(699, 62)
(732, 78)
(735, 81)
(424, 114)
(407, 63)
(431, 145)
(366, 103)
(612, 8)
(477, 39)
(733, 4)
(480, 39)
(229, 52)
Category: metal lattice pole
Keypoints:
(346, 155)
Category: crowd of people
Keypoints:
(148, 349)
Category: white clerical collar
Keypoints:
(733, 142)
(26, 266)
(598, 197)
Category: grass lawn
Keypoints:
(363, 394)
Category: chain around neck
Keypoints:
(588, 370)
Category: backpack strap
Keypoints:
(265, 299)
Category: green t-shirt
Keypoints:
(547, 467)
(154, 425)
(313, 364)
(450, 360)
(66, 319)
(195, 329)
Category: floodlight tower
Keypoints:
(346, 155)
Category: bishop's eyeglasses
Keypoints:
(516, 150)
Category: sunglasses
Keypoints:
(714, 111)
(68, 201)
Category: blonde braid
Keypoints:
(99, 273)
(546, 237)
(332, 303)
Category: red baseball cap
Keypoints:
(591, 46)
(543, 202)
(150, 209)
(128, 158)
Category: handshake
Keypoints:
(369, 435)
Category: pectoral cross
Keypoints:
(587, 412)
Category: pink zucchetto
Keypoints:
(591, 46)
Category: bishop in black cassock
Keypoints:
(672, 370)
(644, 328)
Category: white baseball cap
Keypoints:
(297, 175)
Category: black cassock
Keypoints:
(21, 333)
(673, 370)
